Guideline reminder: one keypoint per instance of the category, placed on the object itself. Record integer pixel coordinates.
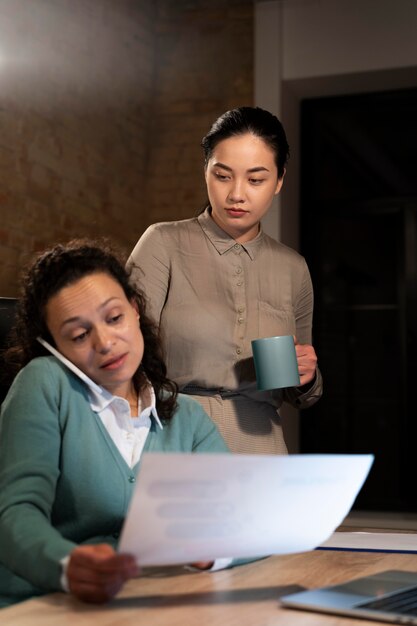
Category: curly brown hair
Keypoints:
(65, 264)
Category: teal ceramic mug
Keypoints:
(275, 362)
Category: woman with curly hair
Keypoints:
(72, 431)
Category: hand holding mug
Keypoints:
(306, 360)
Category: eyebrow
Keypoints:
(251, 170)
(77, 318)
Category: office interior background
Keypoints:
(103, 104)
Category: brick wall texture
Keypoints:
(103, 104)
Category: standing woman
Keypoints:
(217, 281)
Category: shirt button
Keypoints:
(241, 309)
(240, 320)
(238, 270)
(239, 283)
(132, 479)
(236, 246)
(238, 350)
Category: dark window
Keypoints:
(359, 235)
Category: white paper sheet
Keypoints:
(194, 507)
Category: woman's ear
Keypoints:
(279, 184)
(135, 306)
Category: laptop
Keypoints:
(389, 596)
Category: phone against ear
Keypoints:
(70, 365)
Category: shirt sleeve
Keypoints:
(29, 470)
(302, 397)
(64, 574)
(150, 266)
(303, 308)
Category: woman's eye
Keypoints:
(256, 181)
(221, 176)
(79, 338)
(116, 318)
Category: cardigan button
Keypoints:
(132, 479)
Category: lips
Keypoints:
(114, 362)
(236, 212)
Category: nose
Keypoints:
(102, 340)
(236, 193)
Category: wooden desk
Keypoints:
(242, 596)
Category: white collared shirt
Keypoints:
(128, 433)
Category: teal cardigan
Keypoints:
(63, 481)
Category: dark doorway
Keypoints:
(359, 235)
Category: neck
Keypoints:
(126, 391)
(132, 398)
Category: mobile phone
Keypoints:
(70, 365)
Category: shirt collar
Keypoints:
(224, 242)
(146, 401)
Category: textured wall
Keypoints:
(75, 91)
(204, 54)
(103, 104)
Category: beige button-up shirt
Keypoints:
(211, 296)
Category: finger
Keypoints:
(90, 586)
(99, 576)
(115, 563)
(98, 594)
(92, 553)
(304, 348)
(101, 557)
(203, 564)
(91, 565)
(306, 355)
